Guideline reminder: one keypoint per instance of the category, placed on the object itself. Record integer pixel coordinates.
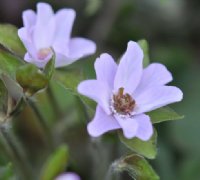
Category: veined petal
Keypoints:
(153, 75)
(145, 128)
(105, 68)
(130, 68)
(29, 18)
(98, 91)
(156, 97)
(64, 21)
(80, 47)
(128, 125)
(102, 123)
(44, 30)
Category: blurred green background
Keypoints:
(172, 28)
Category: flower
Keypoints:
(46, 30)
(125, 92)
(68, 176)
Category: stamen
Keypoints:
(122, 104)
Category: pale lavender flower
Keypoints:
(125, 92)
(68, 176)
(46, 30)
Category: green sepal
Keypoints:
(136, 166)
(50, 67)
(145, 148)
(31, 79)
(145, 47)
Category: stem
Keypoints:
(42, 122)
(53, 100)
(16, 153)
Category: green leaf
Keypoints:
(145, 47)
(11, 98)
(3, 101)
(9, 39)
(50, 67)
(55, 164)
(31, 79)
(145, 148)
(6, 172)
(9, 63)
(164, 114)
(15, 91)
(137, 167)
(69, 79)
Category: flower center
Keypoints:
(44, 52)
(123, 104)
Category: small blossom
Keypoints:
(46, 30)
(125, 92)
(68, 176)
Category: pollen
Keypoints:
(122, 103)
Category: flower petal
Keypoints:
(105, 68)
(156, 97)
(155, 74)
(64, 22)
(80, 47)
(26, 39)
(37, 62)
(45, 26)
(98, 91)
(44, 13)
(29, 18)
(68, 176)
(128, 125)
(145, 128)
(102, 123)
(130, 68)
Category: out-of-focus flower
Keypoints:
(68, 176)
(127, 91)
(46, 30)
